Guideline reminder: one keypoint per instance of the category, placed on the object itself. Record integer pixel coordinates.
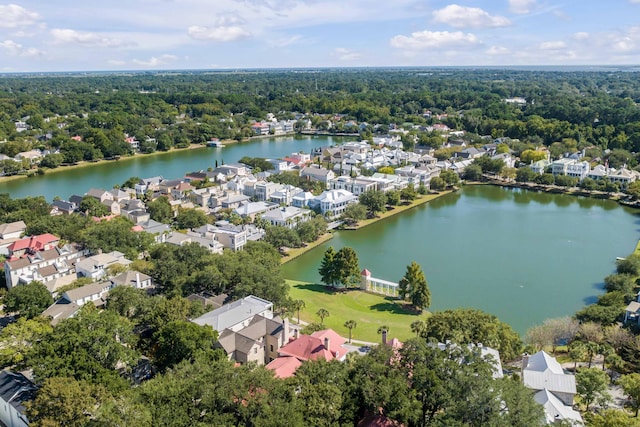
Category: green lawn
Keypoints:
(368, 310)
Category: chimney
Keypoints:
(285, 328)
(525, 362)
(384, 336)
(296, 332)
(327, 344)
(138, 281)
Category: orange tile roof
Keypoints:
(284, 367)
(34, 243)
(306, 348)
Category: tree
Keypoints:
(354, 212)
(374, 201)
(418, 327)
(532, 156)
(393, 197)
(160, 210)
(65, 401)
(322, 313)
(577, 353)
(631, 385)
(591, 385)
(16, 339)
(180, 340)
(629, 265)
(92, 207)
(131, 182)
(347, 267)
(298, 305)
(190, 218)
(28, 300)
(328, 268)
(449, 177)
(282, 237)
(350, 324)
(473, 172)
(414, 285)
(472, 326)
(611, 418)
(437, 184)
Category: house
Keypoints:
(101, 195)
(314, 173)
(92, 293)
(167, 185)
(632, 312)
(623, 177)
(253, 209)
(209, 300)
(159, 230)
(325, 344)
(555, 410)
(181, 191)
(236, 315)
(333, 202)
(570, 167)
(132, 278)
(540, 166)
(12, 230)
(10, 233)
(356, 186)
(32, 244)
(284, 366)
(263, 190)
(543, 373)
(148, 184)
(96, 266)
(44, 266)
(288, 216)
(181, 239)
(63, 207)
(302, 200)
(15, 391)
(258, 342)
(33, 156)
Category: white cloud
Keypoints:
(13, 16)
(286, 41)
(156, 61)
(434, 39)
(345, 54)
(552, 45)
(497, 50)
(86, 39)
(218, 34)
(468, 17)
(16, 49)
(521, 6)
(116, 62)
(582, 35)
(635, 1)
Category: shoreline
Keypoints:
(295, 253)
(86, 163)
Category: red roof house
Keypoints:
(284, 367)
(33, 244)
(306, 348)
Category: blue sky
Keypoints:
(64, 35)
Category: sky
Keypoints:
(89, 35)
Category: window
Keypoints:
(271, 347)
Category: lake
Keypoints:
(521, 255)
(170, 165)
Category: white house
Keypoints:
(15, 391)
(333, 202)
(288, 216)
(96, 266)
(236, 315)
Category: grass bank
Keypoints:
(420, 200)
(370, 311)
(296, 252)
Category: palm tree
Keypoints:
(298, 305)
(350, 324)
(419, 327)
(322, 313)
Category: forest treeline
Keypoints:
(177, 109)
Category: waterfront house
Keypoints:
(570, 167)
(540, 166)
(356, 186)
(623, 177)
(302, 200)
(15, 391)
(555, 390)
(148, 184)
(632, 312)
(100, 195)
(332, 203)
(63, 207)
(288, 216)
